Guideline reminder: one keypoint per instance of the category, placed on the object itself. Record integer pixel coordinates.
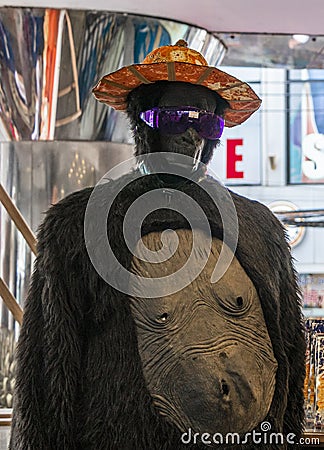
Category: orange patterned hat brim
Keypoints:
(114, 88)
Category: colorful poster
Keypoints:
(312, 289)
(306, 126)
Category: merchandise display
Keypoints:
(314, 379)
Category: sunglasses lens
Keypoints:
(210, 126)
(173, 122)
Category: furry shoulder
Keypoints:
(63, 218)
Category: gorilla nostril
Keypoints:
(224, 388)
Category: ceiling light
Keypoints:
(301, 38)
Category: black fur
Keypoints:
(79, 379)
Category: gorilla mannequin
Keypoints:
(103, 369)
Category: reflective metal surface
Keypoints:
(50, 59)
(38, 174)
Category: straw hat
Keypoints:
(179, 63)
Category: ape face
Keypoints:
(206, 353)
(165, 93)
(189, 142)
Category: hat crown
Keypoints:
(180, 52)
(179, 63)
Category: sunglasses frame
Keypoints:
(151, 118)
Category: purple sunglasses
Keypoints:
(177, 119)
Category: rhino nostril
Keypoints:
(240, 302)
(224, 388)
(223, 355)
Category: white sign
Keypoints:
(237, 160)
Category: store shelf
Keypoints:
(313, 312)
(5, 417)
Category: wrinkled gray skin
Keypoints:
(206, 353)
